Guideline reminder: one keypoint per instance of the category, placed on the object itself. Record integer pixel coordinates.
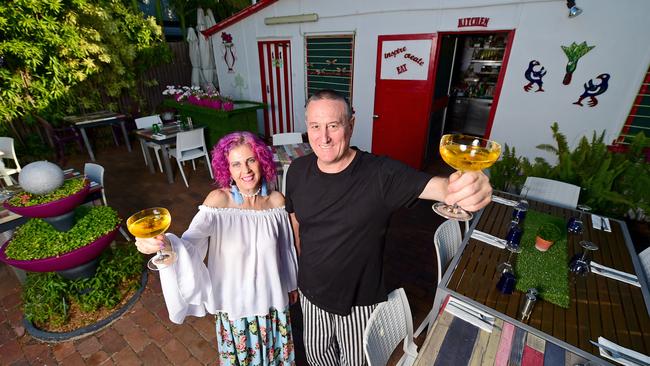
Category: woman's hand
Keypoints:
(470, 190)
(293, 297)
(152, 245)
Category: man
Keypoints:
(340, 200)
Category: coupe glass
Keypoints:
(465, 153)
(513, 239)
(147, 224)
(576, 224)
(579, 264)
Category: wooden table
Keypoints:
(102, 118)
(10, 220)
(166, 138)
(453, 341)
(599, 306)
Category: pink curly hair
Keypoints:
(232, 140)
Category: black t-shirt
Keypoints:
(343, 220)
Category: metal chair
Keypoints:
(189, 146)
(644, 256)
(551, 191)
(390, 324)
(7, 147)
(287, 138)
(148, 122)
(95, 173)
(447, 240)
(59, 137)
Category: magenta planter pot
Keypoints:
(54, 208)
(215, 104)
(228, 106)
(65, 261)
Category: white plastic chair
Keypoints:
(287, 138)
(551, 191)
(390, 324)
(7, 147)
(189, 146)
(95, 173)
(148, 122)
(644, 256)
(447, 240)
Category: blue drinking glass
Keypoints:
(513, 238)
(519, 211)
(575, 226)
(506, 283)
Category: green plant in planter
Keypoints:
(505, 174)
(37, 239)
(47, 297)
(549, 232)
(69, 187)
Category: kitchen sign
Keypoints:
(473, 22)
(405, 59)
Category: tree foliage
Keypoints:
(59, 56)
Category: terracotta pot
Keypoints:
(542, 244)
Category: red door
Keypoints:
(403, 95)
(275, 72)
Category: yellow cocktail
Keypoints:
(147, 224)
(465, 153)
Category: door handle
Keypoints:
(375, 116)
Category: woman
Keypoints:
(250, 278)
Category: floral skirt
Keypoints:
(255, 340)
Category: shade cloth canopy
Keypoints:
(206, 52)
(195, 56)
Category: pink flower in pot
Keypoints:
(228, 105)
(215, 103)
(193, 99)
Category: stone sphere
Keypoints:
(40, 177)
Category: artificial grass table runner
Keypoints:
(548, 271)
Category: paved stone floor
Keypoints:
(144, 335)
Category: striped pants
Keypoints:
(332, 339)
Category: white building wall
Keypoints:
(618, 29)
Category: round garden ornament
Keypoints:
(40, 177)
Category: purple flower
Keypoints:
(226, 37)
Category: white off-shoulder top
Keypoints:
(252, 264)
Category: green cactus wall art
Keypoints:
(574, 52)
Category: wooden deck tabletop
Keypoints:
(599, 306)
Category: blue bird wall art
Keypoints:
(593, 90)
(534, 76)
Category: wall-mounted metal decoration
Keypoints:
(228, 51)
(534, 77)
(593, 90)
(574, 52)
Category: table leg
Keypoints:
(147, 156)
(85, 137)
(166, 163)
(126, 136)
